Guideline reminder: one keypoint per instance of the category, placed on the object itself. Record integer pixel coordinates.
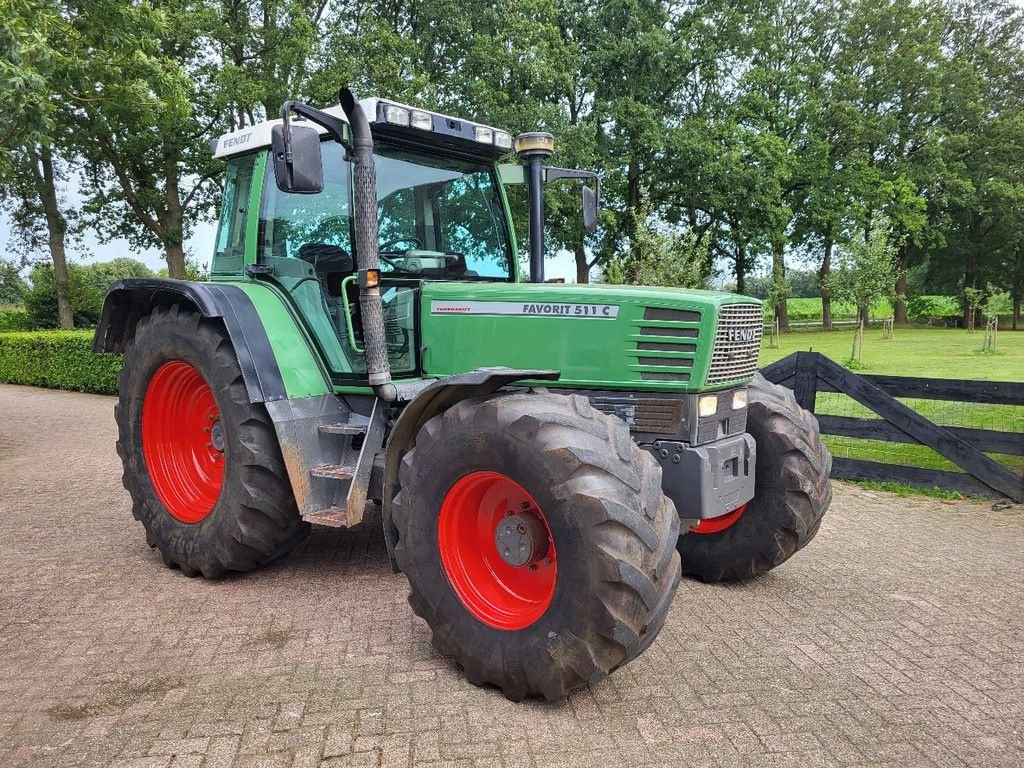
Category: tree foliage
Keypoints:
(734, 139)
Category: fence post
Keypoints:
(805, 382)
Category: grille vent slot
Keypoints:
(676, 315)
(665, 346)
(737, 343)
(667, 338)
(652, 376)
(684, 333)
(673, 362)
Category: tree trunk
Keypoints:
(175, 255)
(899, 306)
(582, 268)
(823, 277)
(633, 199)
(741, 267)
(42, 169)
(864, 314)
(172, 224)
(779, 276)
(971, 266)
(1015, 320)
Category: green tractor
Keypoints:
(543, 455)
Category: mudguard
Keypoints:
(428, 402)
(128, 301)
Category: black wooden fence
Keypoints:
(808, 373)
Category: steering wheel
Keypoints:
(391, 243)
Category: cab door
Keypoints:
(305, 246)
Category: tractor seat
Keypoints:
(331, 263)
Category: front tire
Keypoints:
(791, 494)
(598, 585)
(201, 463)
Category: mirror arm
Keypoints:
(335, 126)
(555, 174)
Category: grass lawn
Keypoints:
(928, 352)
(942, 353)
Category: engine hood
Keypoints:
(598, 336)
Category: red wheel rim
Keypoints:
(720, 523)
(180, 426)
(500, 595)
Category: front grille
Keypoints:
(737, 343)
(667, 332)
(656, 415)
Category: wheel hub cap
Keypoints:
(521, 539)
(217, 436)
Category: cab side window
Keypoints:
(230, 249)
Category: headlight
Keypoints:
(396, 115)
(707, 405)
(739, 399)
(422, 120)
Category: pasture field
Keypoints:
(927, 352)
(942, 353)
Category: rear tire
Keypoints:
(791, 493)
(242, 513)
(612, 530)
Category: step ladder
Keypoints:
(351, 475)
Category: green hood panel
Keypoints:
(598, 336)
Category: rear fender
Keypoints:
(128, 301)
(429, 402)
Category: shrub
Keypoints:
(41, 300)
(15, 320)
(59, 360)
(925, 307)
(87, 284)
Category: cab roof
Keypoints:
(444, 130)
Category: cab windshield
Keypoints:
(440, 218)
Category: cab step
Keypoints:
(332, 517)
(343, 428)
(334, 471)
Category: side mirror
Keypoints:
(589, 209)
(298, 167)
(591, 197)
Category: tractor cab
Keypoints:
(441, 211)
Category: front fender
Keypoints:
(429, 402)
(128, 301)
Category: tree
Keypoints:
(866, 268)
(660, 258)
(985, 68)
(30, 163)
(143, 119)
(84, 296)
(12, 286)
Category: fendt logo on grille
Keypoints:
(738, 335)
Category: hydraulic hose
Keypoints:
(371, 308)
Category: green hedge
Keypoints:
(59, 360)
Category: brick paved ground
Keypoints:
(895, 639)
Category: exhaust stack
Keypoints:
(371, 308)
